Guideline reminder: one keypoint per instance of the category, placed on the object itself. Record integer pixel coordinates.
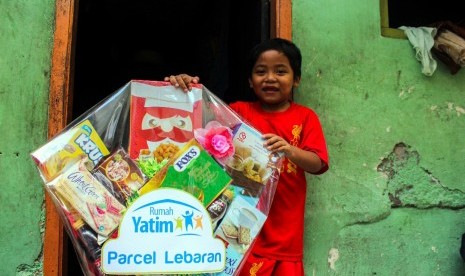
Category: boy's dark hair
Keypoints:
(289, 49)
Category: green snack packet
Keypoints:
(193, 170)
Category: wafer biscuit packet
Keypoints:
(91, 200)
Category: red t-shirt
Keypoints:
(282, 235)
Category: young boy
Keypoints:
(290, 128)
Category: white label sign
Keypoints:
(164, 231)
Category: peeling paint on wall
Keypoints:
(406, 91)
(447, 111)
(410, 185)
(30, 270)
(333, 256)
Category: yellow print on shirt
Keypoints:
(296, 130)
(255, 268)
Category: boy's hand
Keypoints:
(182, 81)
(307, 160)
(276, 143)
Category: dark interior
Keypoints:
(121, 40)
(418, 13)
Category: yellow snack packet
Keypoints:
(69, 147)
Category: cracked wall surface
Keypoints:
(411, 185)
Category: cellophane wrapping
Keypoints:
(122, 152)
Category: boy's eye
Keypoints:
(281, 72)
(259, 72)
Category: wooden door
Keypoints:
(61, 98)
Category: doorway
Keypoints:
(100, 45)
(117, 41)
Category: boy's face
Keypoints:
(272, 80)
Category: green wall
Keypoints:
(25, 50)
(392, 202)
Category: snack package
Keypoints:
(121, 176)
(162, 119)
(251, 165)
(193, 170)
(81, 140)
(91, 200)
(237, 230)
(150, 165)
(84, 239)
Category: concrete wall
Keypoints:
(392, 202)
(26, 29)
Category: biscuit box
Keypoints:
(238, 230)
(252, 164)
(162, 118)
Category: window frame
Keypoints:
(386, 31)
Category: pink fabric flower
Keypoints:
(216, 139)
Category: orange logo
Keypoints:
(255, 268)
(296, 130)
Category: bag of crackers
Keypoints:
(148, 136)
